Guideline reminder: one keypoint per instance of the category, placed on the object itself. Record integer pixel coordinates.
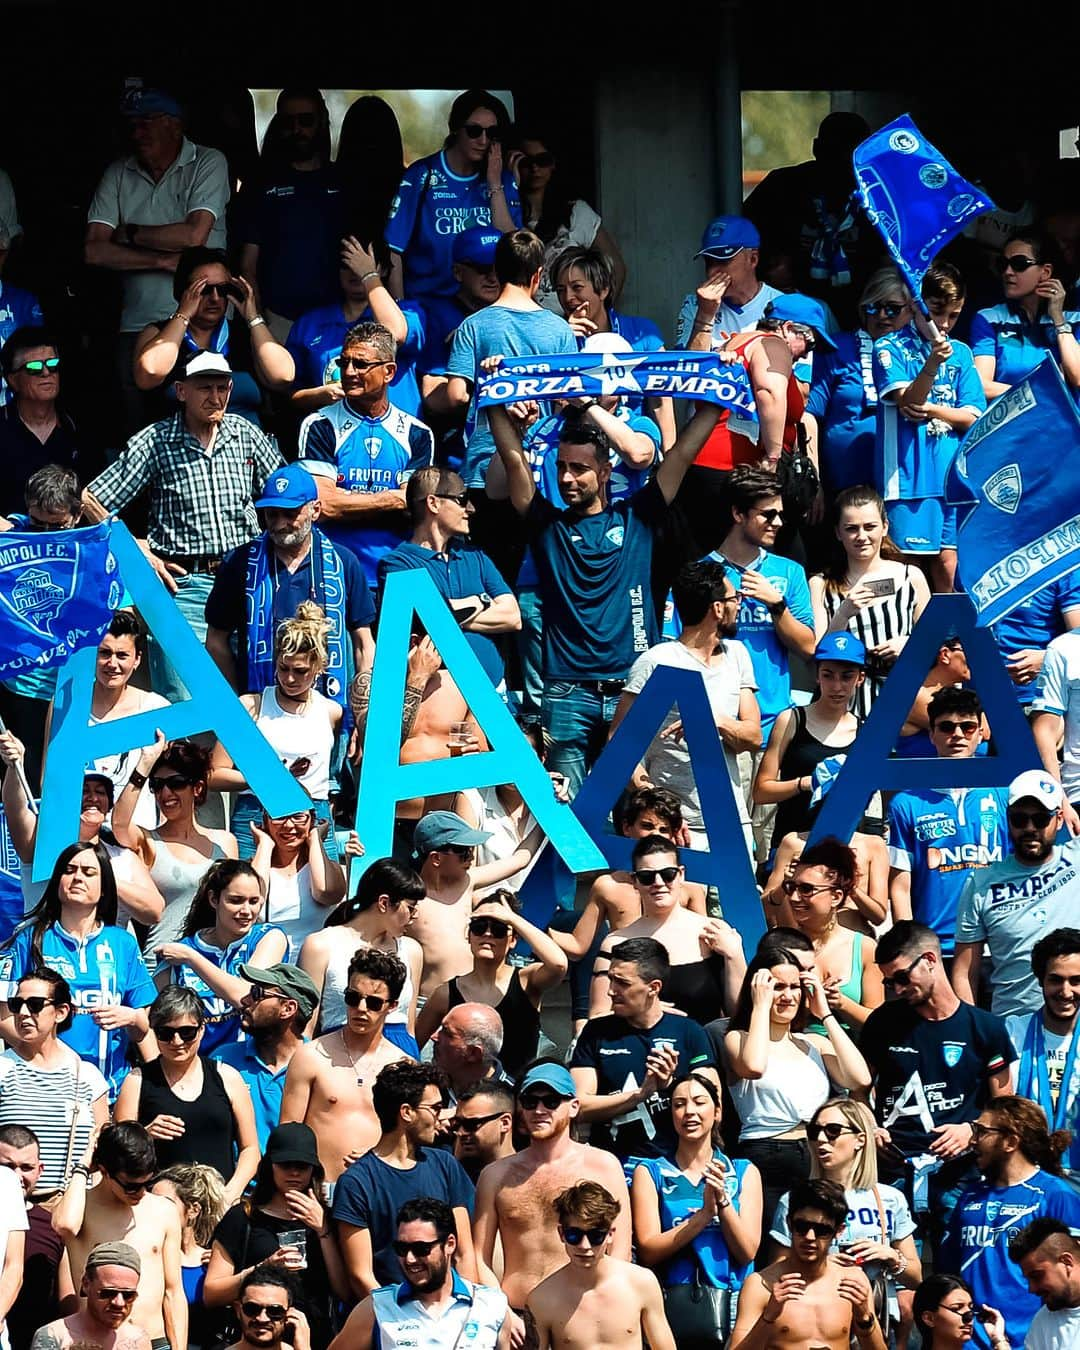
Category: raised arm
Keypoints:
(677, 461)
(519, 476)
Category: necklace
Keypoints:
(355, 1064)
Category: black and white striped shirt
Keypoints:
(42, 1099)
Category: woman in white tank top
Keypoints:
(301, 881)
(299, 722)
(377, 916)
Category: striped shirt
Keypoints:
(41, 1099)
(888, 616)
(201, 502)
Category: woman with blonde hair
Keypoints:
(878, 1234)
(198, 1192)
(300, 723)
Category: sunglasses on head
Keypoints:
(544, 159)
(482, 927)
(1017, 263)
(1037, 819)
(33, 1004)
(803, 888)
(532, 1101)
(887, 309)
(174, 783)
(46, 366)
(575, 1236)
(421, 1249)
(276, 1312)
(948, 726)
(832, 1130)
(647, 875)
(373, 1002)
(474, 130)
(107, 1295)
(470, 1124)
(184, 1034)
(819, 1228)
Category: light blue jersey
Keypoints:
(104, 970)
(222, 1017)
(904, 465)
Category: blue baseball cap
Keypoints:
(442, 829)
(288, 488)
(151, 103)
(555, 1076)
(476, 246)
(804, 310)
(727, 235)
(841, 647)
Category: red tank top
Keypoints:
(728, 445)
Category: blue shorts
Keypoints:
(948, 531)
(916, 526)
(397, 1033)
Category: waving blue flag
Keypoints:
(1017, 477)
(913, 196)
(58, 592)
(697, 375)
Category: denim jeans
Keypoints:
(576, 717)
(191, 596)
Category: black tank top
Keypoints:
(209, 1129)
(697, 988)
(804, 753)
(521, 1024)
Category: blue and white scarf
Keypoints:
(327, 590)
(1033, 1082)
(219, 343)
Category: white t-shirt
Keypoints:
(729, 318)
(667, 760)
(581, 232)
(1058, 691)
(13, 1219)
(1057, 1330)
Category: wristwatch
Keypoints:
(1060, 328)
(485, 600)
(136, 779)
(865, 1323)
(777, 607)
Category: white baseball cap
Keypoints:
(207, 363)
(1037, 783)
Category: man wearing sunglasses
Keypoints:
(806, 1298)
(483, 1126)
(936, 1063)
(464, 575)
(596, 1294)
(121, 1205)
(939, 838)
(268, 1320)
(33, 431)
(109, 1289)
(515, 1196)
(1011, 904)
(434, 1308)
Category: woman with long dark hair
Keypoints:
(284, 1223)
(221, 934)
(73, 928)
(945, 1313)
(194, 1109)
(370, 162)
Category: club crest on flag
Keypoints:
(1005, 488)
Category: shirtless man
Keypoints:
(807, 1300)
(110, 1288)
(514, 1196)
(595, 1301)
(119, 1208)
(328, 1081)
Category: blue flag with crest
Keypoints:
(913, 196)
(667, 374)
(58, 592)
(1016, 478)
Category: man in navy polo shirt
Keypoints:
(479, 598)
(594, 562)
(261, 583)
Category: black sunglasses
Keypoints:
(33, 1004)
(804, 889)
(1017, 263)
(495, 928)
(49, 364)
(967, 1316)
(470, 1124)
(373, 1002)
(775, 513)
(184, 1034)
(107, 1295)
(902, 978)
(258, 992)
(276, 1312)
(474, 130)
(133, 1187)
(647, 875)
(888, 309)
(422, 1249)
(548, 1100)
(345, 362)
(831, 1130)
(462, 498)
(221, 288)
(1038, 819)
(804, 1227)
(544, 159)
(174, 783)
(575, 1236)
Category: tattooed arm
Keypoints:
(46, 1338)
(424, 662)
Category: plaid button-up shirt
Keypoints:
(200, 502)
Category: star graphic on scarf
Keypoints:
(615, 373)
